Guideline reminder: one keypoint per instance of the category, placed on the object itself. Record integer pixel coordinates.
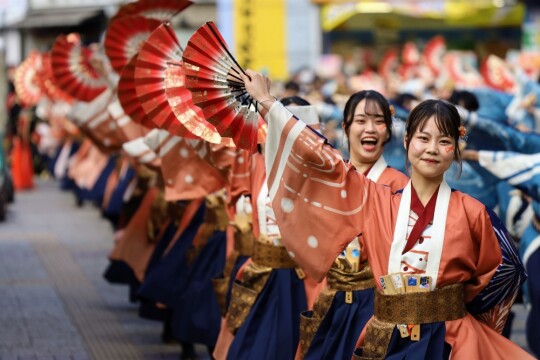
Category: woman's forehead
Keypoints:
(368, 106)
(432, 126)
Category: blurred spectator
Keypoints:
(465, 99)
(291, 88)
(406, 101)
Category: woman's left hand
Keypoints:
(257, 85)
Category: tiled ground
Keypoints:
(54, 302)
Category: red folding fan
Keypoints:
(410, 54)
(72, 69)
(48, 84)
(191, 116)
(162, 10)
(497, 74)
(434, 52)
(388, 64)
(128, 96)
(213, 77)
(124, 10)
(125, 37)
(159, 52)
(26, 82)
(460, 71)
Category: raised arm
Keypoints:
(519, 170)
(320, 202)
(511, 138)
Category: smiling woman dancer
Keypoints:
(343, 308)
(437, 255)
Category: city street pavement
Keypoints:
(54, 302)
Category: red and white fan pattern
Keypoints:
(497, 73)
(72, 70)
(161, 10)
(26, 81)
(128, 96)
(159, 54)
(213, 77)
(125, 38)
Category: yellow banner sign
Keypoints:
(260, 36)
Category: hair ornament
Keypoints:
(462, 131)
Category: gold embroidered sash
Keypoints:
(272, 256)
(341, 280)
(443, 304)
(243, 242)
(439, 305)
(220, 284)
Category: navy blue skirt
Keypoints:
(147, 307)
(340, 329)
(165, 281)
(197, 315)
(272, 328)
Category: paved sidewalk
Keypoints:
(54, 302)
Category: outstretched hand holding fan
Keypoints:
(216, 81)
(258, 87)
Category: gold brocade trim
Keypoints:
(378, 334)
(229, 263)
(323, 302)
(205, 231)
(308, 327)
(243, 242)
(244, 293)
(221, 284)
(158, 216)
(443, 304)
(272, 256)
(216, 212)
(340, 280)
